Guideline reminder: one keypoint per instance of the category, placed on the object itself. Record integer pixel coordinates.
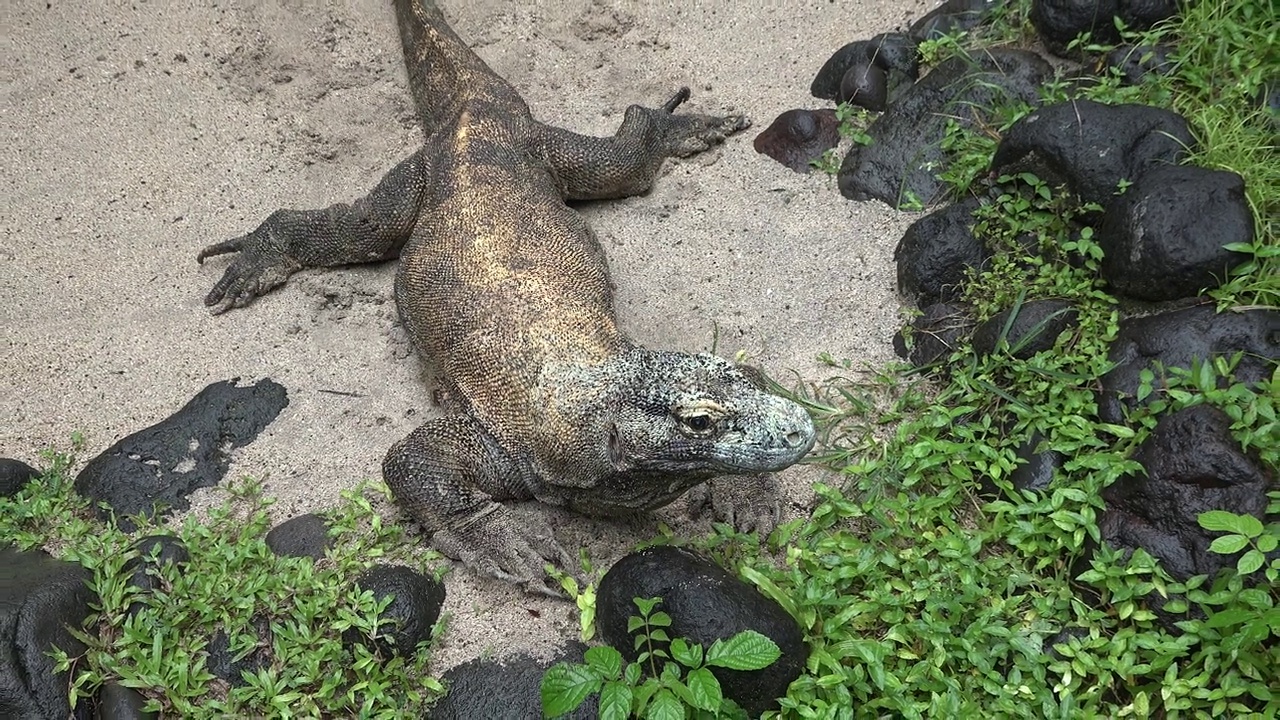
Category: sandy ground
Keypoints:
(137, 132)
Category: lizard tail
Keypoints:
(442, 68)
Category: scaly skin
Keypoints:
(505, 288)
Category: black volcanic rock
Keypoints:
(155, 469)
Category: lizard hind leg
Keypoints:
(450, 475)
(593, 168)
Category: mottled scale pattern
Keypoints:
(505, 289)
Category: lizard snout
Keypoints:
(794, 428)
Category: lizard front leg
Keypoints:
(591, 168)
(748, 503)
(371, 229)
(450, 475)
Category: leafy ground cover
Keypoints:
(232, 584)
(923, 596)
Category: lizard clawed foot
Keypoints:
(749, 503)
(261, 265)
(499, 545)
(691, 134)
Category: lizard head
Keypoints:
(702, 415)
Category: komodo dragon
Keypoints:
(505, 288)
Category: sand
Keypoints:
(138, 132)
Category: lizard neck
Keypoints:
(578, 403)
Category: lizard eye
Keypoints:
(697, 423)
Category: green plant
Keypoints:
(852, 123)
(1243, 531)
(583, 596)
(1222, 60)
(670, 678)
(293, 612)
(928, 585)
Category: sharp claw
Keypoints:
(676, 100)
(222, 248)
(541, 588)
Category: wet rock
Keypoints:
(117, 702)
(1038, 465)
(1268, 97)
(1192, 465)
(905, 152)
(40, 598)
(408, 620)
(1163, 238)
(894, 54)
(153, 470)
(168, 550)
(1136, 62)
(14, 475)
(1176, 339)
(1063, 637)
(1029, 329)
(1060, 21)
(952, 16)
(506, 689)
(935, 333)
(706, 603)
(303, 536)
(1268, 101)
(1091, 147)
(798, 137)
(222, 662)
(935, 252)
(865, 85)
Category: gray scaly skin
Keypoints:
(505, 288)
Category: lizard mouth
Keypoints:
(781, 444)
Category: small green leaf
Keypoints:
(567, 582)
(1250, 562)
(686, 653)
(1228, 618)
(1217, 520)
(615, 701)
(1267, 543)
(1119, 431)
(565, 686)
(605, 661)
(642, 694)
(1228, 544)
(748, 650)
(1141, 705)
(1239, 247)
(645, 605)
(1249, 526)
(664, 706)
(705, 689)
